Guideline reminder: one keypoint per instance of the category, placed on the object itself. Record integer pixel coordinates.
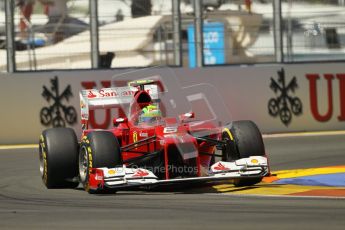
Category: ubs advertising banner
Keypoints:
(279, 98)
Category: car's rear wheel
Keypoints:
(244, 140)
(58, 151)
(98, 149)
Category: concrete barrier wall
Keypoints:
(311, 97)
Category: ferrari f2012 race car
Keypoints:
(146, 148)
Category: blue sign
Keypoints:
(214, 44)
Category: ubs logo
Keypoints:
(285, 104)
(57, 114)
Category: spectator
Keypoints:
(119, 16)
(248, 4)
(56, 10)
(140, 8)
(26, 8)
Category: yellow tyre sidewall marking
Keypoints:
(229, 133)
(45, 162)
(86, 144)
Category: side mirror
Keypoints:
(186, 116)
(117, 121)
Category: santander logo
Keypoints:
(109, 93)
(140, 173)
(91, 94)
(221, 167)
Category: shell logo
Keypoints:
(254, 161)
(91, 94)
(111, 172)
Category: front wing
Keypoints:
(123, 177)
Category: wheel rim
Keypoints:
(41, 160)
(226, 150)
(230, 153)
(83, 164)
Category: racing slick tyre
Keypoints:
(58, 152)
(98, 149)
(244, 140)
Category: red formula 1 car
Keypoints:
(146, 148)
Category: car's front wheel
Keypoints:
(97, 149)
(244, 140)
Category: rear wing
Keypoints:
(141, 83)
(110, 98)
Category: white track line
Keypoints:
(7, 147)
(305, 134)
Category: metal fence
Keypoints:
(79, 34)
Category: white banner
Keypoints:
(279, 98)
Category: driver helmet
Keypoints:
(150, 113)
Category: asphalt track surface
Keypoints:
(26, 204)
